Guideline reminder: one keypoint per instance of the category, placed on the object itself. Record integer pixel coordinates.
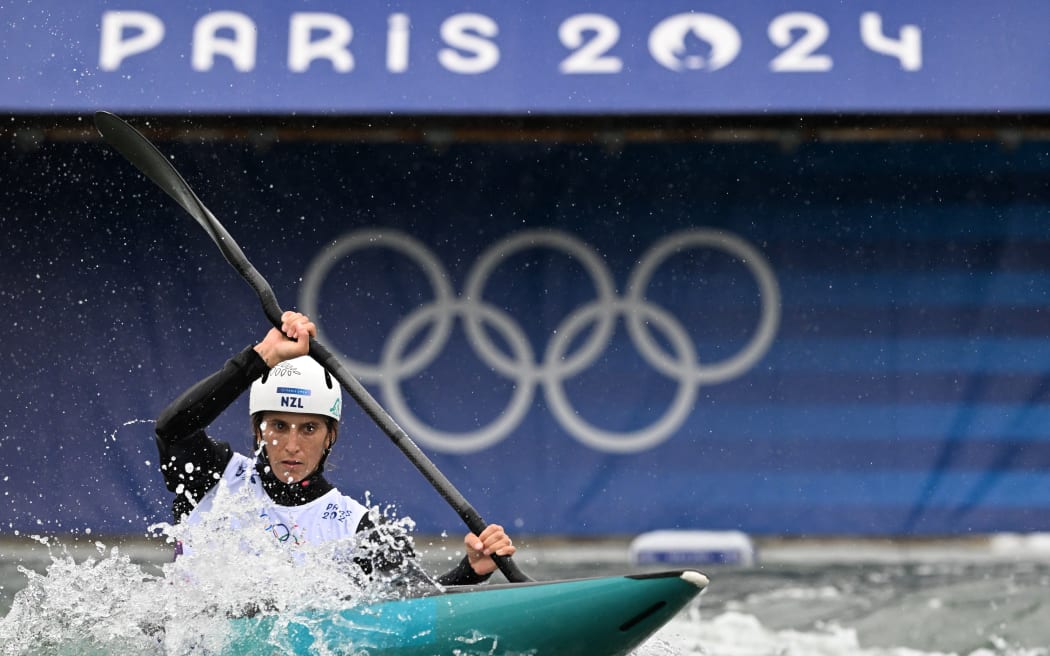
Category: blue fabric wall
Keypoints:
(900, 387)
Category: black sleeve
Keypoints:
(462, 574)
(190, 460)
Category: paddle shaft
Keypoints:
(154, 165)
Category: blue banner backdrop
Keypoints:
(533, 56)
(838, 339)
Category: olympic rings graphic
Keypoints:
(395, 365)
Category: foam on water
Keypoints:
(905, 609)
(739, 634)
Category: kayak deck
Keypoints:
(606, 616)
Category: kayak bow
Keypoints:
(607, 616)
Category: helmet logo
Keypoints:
(336, 407)
(284, 369)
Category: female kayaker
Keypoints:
(295, 407)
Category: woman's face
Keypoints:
(295, 443)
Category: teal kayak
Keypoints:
(605, 616)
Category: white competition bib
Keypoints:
(325, 519)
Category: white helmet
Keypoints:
(298, 385)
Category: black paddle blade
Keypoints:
(138, 150)
(141, 152)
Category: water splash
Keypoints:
(107, 604)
